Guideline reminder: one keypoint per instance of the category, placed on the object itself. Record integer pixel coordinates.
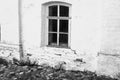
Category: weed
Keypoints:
(25, 63)
(3, 62)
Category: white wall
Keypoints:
(95, 26)
(110, 26)
(85, 32)
(110, 41)
(94, 23)
(85, 23)
(9, 21)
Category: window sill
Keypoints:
(62, 47)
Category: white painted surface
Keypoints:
(85, 24)
(9, 21)
(94, 23)
(110, 25)
(94, 27)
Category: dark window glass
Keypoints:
(53, 10)
(63, 40)
(52, 25)
(63, 26)
(52, 39)
(64, 11)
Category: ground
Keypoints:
(31, 71)
(54, 57)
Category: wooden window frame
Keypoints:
(47, 17)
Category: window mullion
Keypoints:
(58, 27)
(58, 33)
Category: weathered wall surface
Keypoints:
(94, 27)
(85, 24)
(109, 60)
(110, 26)
(9, 21)
(108, 65)
(94, 22)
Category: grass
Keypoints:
(32, 71)
(25, 63)
(3, 62)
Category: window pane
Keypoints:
(63, 25)
(64, 11)
(53, 10)
(52, 39)
(52, 25)
(63, 40)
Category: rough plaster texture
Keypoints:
(9, 21)
(95, 22)
(110, 40)
(102, 64)
(9, 51)
(52, 57)
(108, 65)
(85, 23)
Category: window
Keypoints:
(58, 24)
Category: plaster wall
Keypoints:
(94, 24)
(9, 21)
(85, 24)
(94, 27)
(109, 58)
(110, 42)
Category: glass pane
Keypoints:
(63, 25)
(53, 10)
(52, 39)
(63, 40)
(64, 11)
(52, 25)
